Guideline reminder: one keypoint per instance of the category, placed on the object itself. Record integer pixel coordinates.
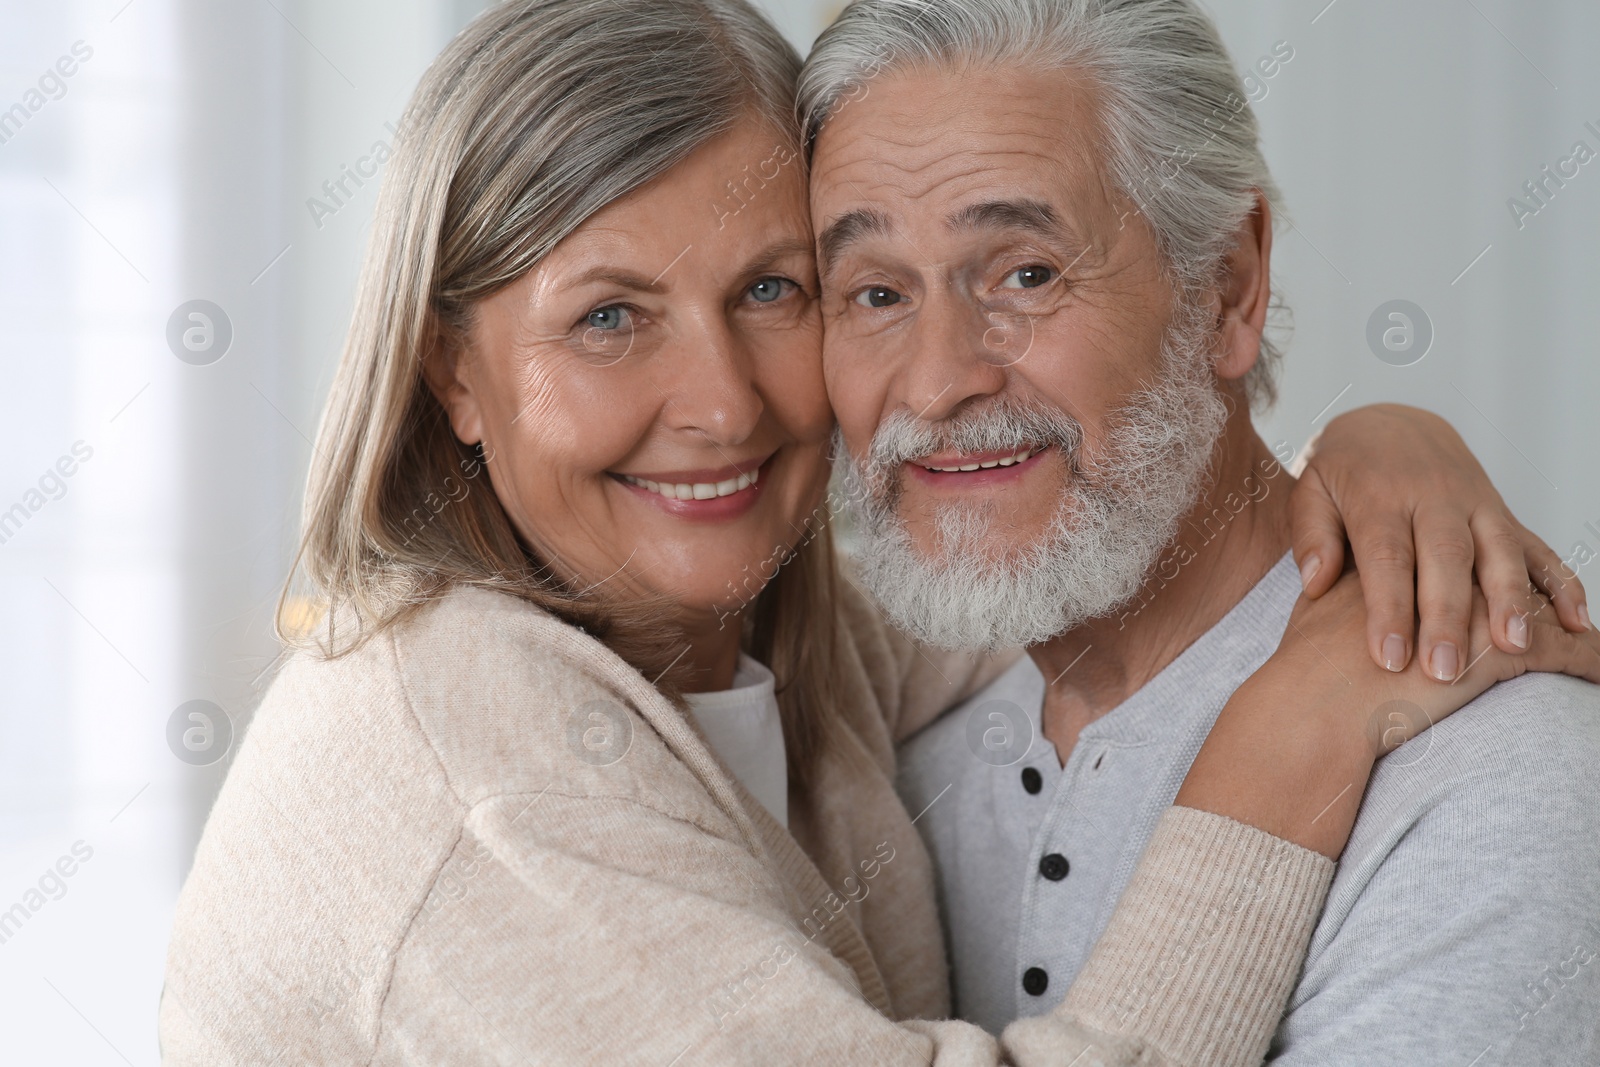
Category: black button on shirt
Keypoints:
(1032, 781)
(1054, 866)
(1034, 981)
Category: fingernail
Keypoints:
(1309, 570)
(1394, 652)
(1517, 631)
(1445, 661)
(1583, 616)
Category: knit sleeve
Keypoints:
(667, 938)
(1201, 955)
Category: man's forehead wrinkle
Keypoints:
(995, 156)
(1044, 141)
(896, 153)
(941, 131)
(879, 153)
(980, 169)
(904, 128)
(872, 145)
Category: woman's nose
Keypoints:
(709, 385)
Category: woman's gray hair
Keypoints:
(1181, 139)
(536, 117)
(552, 109)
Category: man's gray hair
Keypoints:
(1180, 138)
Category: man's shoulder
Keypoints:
(1529, 747)
(1470, 873)
(1502, 789)
(1517, 737)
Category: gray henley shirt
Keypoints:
(1463, 923)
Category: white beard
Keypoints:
(1119, 510)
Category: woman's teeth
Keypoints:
(696, 490)
(1008, 461)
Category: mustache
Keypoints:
(1004, 425)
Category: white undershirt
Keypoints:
(743, 728)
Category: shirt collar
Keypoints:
(1206, 673)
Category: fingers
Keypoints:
(1556, 580)
(1386, 560)
(1318, 534)
(1554, 649)
(1445, 554)
(1503, 573)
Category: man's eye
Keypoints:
(878, 297)
(607, 318)
(1028, 278)
(768, 289)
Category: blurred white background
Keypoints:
(180, 160)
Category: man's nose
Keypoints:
(953, 357)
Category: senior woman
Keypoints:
(592, 758)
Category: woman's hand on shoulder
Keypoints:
(1423, 521)
(1293, 748)
(1321, 656)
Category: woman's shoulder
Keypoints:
(358, 779)
(499, 692)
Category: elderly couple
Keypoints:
(600, 755)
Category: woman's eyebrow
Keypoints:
(776, 253)
(627, 279)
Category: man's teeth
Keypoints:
(1008, 461)
(696, 490)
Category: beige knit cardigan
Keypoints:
(484, 838)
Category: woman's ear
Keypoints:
(447, 370)
(1246, 292)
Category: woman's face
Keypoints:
(650, 397)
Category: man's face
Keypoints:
(991, 302)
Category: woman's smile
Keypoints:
(712, 494)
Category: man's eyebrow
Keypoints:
(1034, 216)
(847, 229)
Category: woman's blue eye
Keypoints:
(878, 297)
(767, 290)
(610, 318)
(1029, 277)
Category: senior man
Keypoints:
(1045, 233)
